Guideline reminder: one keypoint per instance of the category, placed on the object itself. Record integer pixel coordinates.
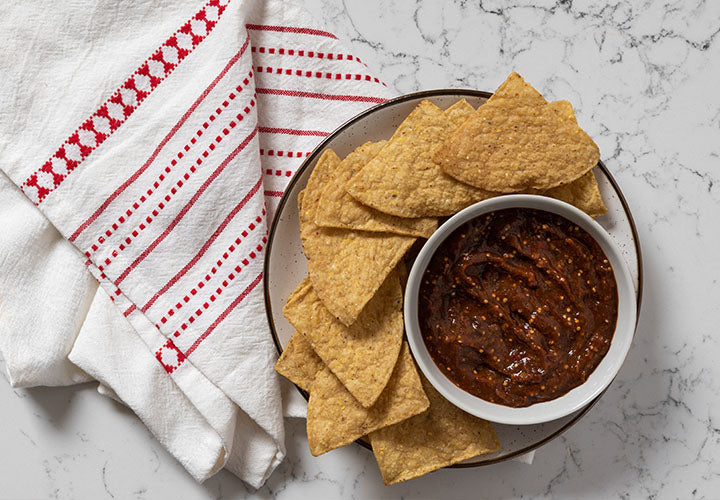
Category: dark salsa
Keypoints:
(518, 306)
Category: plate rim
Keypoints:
(408, 97)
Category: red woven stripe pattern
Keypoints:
(124, 101)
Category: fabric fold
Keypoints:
(102, 348)
(45, 293)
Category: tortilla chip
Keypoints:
(563, 109)
(335, 418)
(362, 355)
(442, 436)
(346, 267)
(403, 180)
(341, 210)
(319, 178)
(298, 362)
(516, 142)
(459, 113)
(582, 193)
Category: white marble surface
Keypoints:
(643, 77)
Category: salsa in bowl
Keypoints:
(520, 309)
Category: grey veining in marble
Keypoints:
(644, 77)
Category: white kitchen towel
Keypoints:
(152, 141)
(157, 139)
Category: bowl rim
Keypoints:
(311, 159)
(579, 396)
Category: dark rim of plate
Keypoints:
(311, 160)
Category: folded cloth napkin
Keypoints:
(144, 146)
(148, 144)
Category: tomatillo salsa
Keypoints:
(518, 306)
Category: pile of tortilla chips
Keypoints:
(358, 218)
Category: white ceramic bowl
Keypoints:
(578, 397)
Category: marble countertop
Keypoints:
(643, 77)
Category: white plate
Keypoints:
(286, 267)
